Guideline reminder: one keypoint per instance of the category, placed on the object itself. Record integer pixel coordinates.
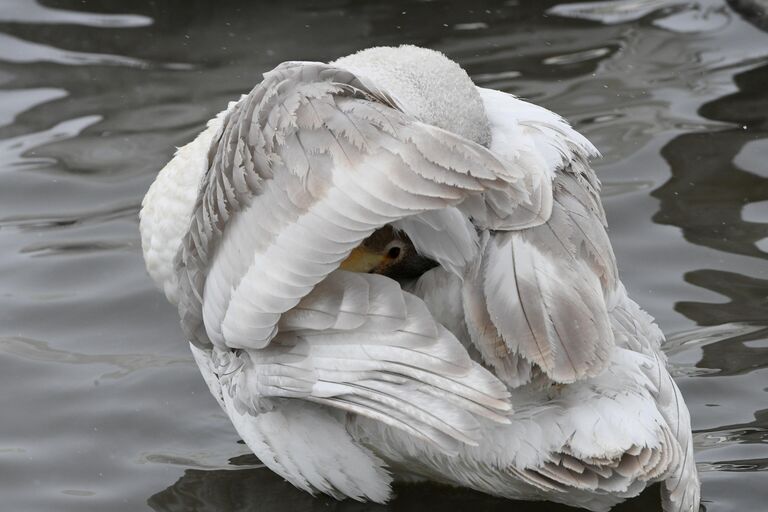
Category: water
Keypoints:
(102, 407)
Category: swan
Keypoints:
(386, 273)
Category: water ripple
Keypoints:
(612, 12)
(57, 249)
(20, 51)
(573, 58)
(57, 221)
(21, 11)
(244, 461)
(41, 352)
(745, 465)
(14, 149)
(15, 101)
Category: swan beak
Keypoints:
(363, 260)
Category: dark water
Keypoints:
(102, 408)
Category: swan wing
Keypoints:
(306, 166)
(359, 343)
(538, 295)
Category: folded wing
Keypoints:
(311, 162)
(539, 294)
(308, 165)
(359, 343)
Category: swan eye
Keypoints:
(394, 250)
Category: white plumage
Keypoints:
(517, 366)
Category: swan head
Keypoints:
(427, 85)
(388, 252)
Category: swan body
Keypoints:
(517, 366)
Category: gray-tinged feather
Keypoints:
(360, 343)
(306, 167)
(548, 288)
(309, 124)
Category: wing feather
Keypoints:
(358, 342)
(546, 269)
(310, 163)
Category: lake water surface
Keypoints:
(102, 406)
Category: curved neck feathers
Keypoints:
(167, 207)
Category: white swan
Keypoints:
(517, 366)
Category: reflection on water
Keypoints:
(260, 489)
(109, 413)
(707, 191)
